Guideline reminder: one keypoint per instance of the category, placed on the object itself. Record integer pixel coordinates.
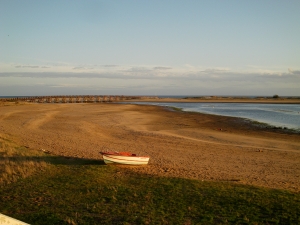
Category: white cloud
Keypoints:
(83, 68)
(154, 73)
(110, 66)
(144, 79)
(27, 66)
(294, 72)
(161, 68)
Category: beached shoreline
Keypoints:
(180, 144)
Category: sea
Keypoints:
(277, 115)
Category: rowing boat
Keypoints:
(126, 158)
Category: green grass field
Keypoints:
(59, 190)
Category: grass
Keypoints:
(18, 162)
(82, 191)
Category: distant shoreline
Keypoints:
(219, 100)
(259, 113)
(170, 99)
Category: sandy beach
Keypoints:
(180, 144)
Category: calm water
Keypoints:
(281, 115)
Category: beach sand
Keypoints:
(180, 144)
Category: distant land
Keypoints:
(275, 99)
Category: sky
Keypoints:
(143, 47)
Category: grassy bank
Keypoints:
(60, 190)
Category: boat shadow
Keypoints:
(55, 160)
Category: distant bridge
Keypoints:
(71, 99)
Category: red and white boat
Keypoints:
(126, 158)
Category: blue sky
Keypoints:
(140, 47)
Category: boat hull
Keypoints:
(126, 160)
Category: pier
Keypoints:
(71, 99)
